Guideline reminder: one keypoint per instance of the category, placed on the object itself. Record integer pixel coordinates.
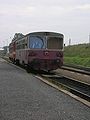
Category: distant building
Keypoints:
(1, 48)
(1, 52)
(6, 49)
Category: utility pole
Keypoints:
(89, 38)
(69, 41)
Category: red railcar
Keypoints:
(38, 50)
(12, 51)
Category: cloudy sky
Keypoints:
(70, 17)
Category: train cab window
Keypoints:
(36, 42)
(55, 43)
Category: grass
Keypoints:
(77, 55)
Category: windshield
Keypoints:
(36, 42)
(55, 43)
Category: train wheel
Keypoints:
(23, 64)
(49, 71)
(13, 61)
(27, 68)
(17, 62)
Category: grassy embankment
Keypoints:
(77, 55)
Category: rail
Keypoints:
(75, 69)
(80, 89)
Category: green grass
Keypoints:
(77, 54)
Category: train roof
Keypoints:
(45, 33)
(53, 34)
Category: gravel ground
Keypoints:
(24, 97)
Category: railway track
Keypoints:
(78, 88)
(78, 69)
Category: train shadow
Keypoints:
(36, 72)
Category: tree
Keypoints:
(17, 35)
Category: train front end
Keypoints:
(46, 51)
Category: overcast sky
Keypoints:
(70, 17)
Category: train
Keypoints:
(37, 50)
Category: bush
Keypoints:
(77, 54)
(78, 61)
